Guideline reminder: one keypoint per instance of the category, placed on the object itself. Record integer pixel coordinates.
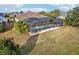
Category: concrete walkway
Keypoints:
(43, 31)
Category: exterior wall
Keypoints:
(16, 20)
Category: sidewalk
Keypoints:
(43, 31)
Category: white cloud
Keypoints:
(17, 5)
(64, 7)
(11, 5)
(34, 9)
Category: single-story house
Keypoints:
(61, 17)
(27, 15)
(2, 19)
(38, 22)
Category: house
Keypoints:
(27, 15)
(38, 22)
(11, 17)
(63, 15)
(2, 19)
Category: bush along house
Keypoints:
(38, 22)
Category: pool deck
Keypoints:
(32, 34)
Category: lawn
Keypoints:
(64, 40)
(57, 42)
(17, 38)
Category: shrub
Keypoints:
(8, 48)
(21, 27)
(1, 27)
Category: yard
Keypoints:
(15, 37)
(60, 41)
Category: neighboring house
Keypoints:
(2, 19)
(61, 17)
(12, 16)
(38, 22)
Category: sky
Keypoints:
(34, 7)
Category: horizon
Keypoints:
(6, 8)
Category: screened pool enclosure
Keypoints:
(39, 24)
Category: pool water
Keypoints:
(40, 28)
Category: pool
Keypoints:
(40, 28)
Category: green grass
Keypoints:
(57, 42)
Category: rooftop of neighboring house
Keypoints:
(2, 18)
(29, 15)
(12, 14)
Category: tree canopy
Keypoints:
(8, 48)
(73, 17)
(44, 13)
(21, 26)
(53, 13)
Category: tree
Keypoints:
(72, 18)
(51, 14)
(8, 48)
(43, 12)
(21, 26)
(55, 13)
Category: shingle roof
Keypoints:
(29, 15)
